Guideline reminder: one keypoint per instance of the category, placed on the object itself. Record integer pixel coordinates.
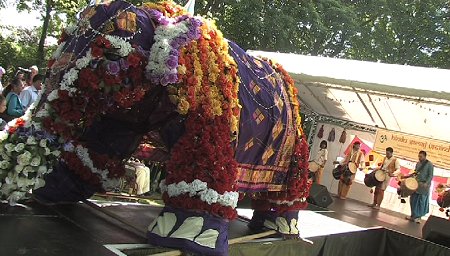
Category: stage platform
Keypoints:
(81, 229)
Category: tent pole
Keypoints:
(312, 131)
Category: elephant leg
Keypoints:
(63, 186)
(265, 217)
(195, 232)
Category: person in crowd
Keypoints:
(20, 74)
(321, 159)
(142, 177)
(419, 200)
(2, 110)
(351, 161)
(391, 167)
(2, 72)
(12, 91)
(33, 72)
(29, 94)
(3, 107)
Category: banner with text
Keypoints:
(408, 146)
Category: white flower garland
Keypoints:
(124, 48)
(17, 183)
(200, 188)
(160, 51)
(83, 155)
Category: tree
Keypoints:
(51, 10)
(403, 32)
(17, 49)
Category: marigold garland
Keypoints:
(207, 94)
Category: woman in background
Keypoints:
(2, 110)
(321, 159)
(14, 106)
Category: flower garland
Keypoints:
(200, 188)
(170, 36)
(28, 154)
(206, 92)
(73, 101)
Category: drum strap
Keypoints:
(391, 167)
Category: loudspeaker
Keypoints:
(437, 230)
(319, 195)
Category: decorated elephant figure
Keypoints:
(231, 124)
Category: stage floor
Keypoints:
(355, 213)
(79, 229)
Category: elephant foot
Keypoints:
(284, 223)
(62, 186)
(197, 233)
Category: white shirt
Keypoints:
(387, 162)
(321, 156)
(28, 96)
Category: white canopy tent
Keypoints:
(408, 99)
(368, 95)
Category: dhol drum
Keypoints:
(374, 178)
(407, 187)
(338, 171)
(313, 166)
(444, 200)
(352, 167)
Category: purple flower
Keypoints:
(172, 61)
(124, 64)
(172, 78)
(192, 34)
(113, 67)
(159, 17)
(154, 80)
(164, 81)
(178, 42)
(175, 44)
(181, 18)
(196, 22)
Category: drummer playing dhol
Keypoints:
(419, 200)
(354, 157)
(391, 168)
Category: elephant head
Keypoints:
(103, 92)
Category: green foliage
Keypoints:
(402, 32)
(413, 32)
(17, 49)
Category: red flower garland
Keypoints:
(207, 137)
(97, 88)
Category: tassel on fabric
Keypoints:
(320, 134)
(332, 135)
(343, 137)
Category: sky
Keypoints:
(11, 17)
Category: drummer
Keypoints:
(391, 167)
(354, 156)
(321, 159)
(419, 200)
